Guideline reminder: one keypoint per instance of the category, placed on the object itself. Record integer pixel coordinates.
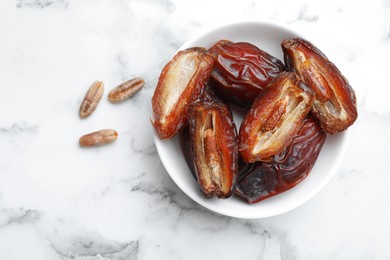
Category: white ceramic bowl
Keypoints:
(267, 36)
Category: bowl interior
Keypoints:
(266, 36)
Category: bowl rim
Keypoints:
(302, 199)
(239, 22)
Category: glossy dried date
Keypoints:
(207, 96)
(261, 180)
(181, 82)
(335, 103)
(214, 148)
(274, 118)
(242, 70)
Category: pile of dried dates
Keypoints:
(289, 109)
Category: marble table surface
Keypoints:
(59, 201)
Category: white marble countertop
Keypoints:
(59, 201)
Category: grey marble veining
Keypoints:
(40, 3)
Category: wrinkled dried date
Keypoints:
(261, 180)
(181, 82)
(242, 70)
(335, 103)
(213, 147)
(274, 118)
(207, 96)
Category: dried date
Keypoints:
(335, 102)
(181, 82)
(208, 96)
(274, 118)
(261, 180)
(213, 148)
(242, 70)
